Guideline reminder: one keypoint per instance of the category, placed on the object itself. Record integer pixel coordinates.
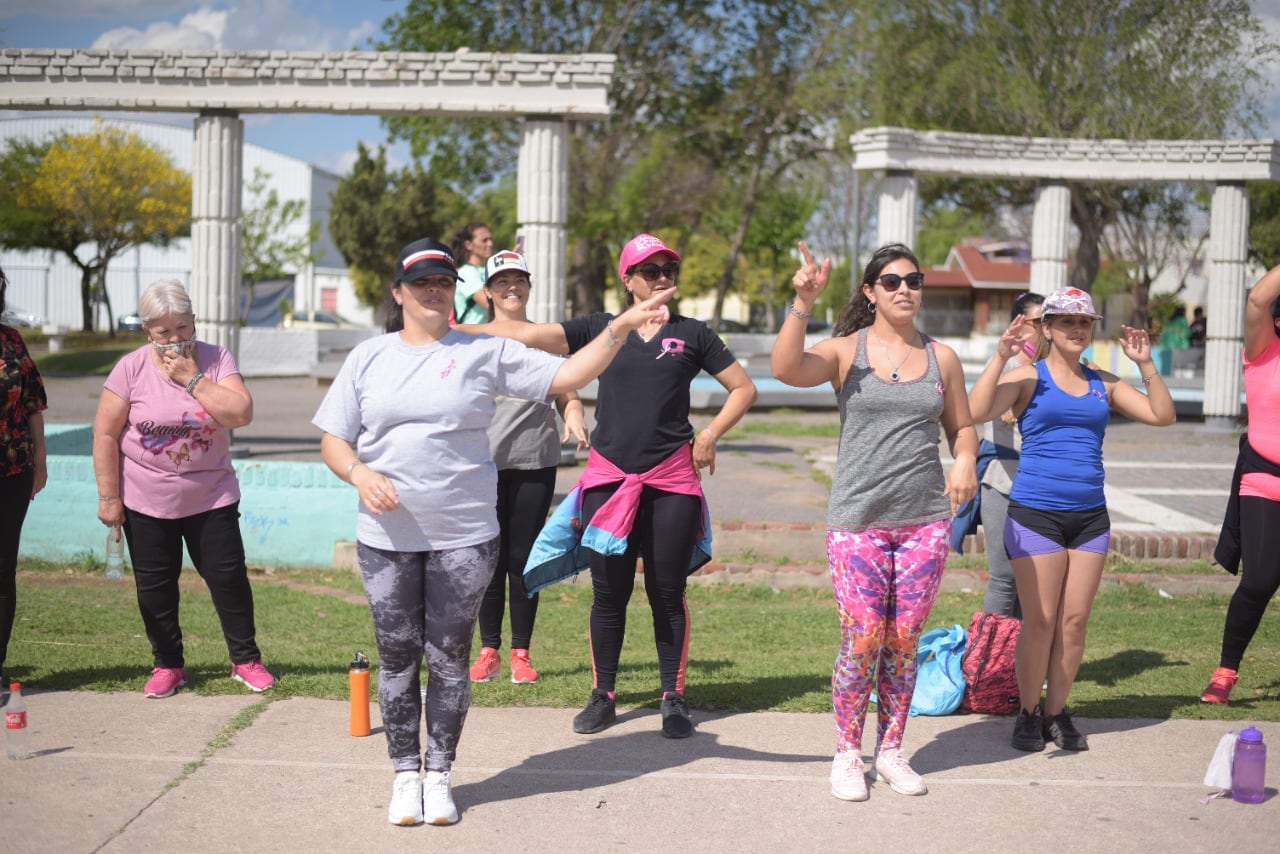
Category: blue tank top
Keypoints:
(1061, 464)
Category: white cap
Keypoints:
(500, 262)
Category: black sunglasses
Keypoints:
(652, 272)
(892, 281)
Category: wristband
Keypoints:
(191, 383)
(794, 312)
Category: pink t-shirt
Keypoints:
(1262, 395)
(175, 459)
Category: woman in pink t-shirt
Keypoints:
(1253, 518)
(162, 459)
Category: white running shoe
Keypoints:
(848, 776)
(406, 799)
(437, 799)
(892, 767)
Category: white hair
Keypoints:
(163, 298)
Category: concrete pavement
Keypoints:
(118, 772)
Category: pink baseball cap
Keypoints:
(1069, 301)
(639, 249)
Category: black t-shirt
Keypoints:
(642, 407)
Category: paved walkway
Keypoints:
(117, 772)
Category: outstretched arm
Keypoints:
(590, 361)
(542, 336)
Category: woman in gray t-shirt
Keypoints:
(889, 516)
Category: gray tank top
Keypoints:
(888, 473)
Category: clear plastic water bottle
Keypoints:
(1248, 768)
(15, 724)
(115, 554)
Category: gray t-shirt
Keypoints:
(888, 473)
(419, 416)
(524, 435)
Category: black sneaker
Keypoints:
(599, 713)
(1028, 731)
(1061, 731)
(676, 722)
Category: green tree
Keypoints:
(107, 189)
(267, 249)
(375, 212)
(1130, 69)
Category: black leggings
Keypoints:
(1259, 576)
(663, 536)
(15, 498)
(524, 497)
(217, 551)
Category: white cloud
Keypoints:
(201, 29)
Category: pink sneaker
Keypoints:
(253, 676)
(165, 682)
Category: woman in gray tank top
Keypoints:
(889, 514)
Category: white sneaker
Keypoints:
(892, 768)
(437, 799)
(848, 776)
(406, 799)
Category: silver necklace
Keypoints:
(894, 376)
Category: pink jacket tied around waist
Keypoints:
(561, 548)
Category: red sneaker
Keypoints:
(253, 676)
(165, 682)
(486, 665)
(522, 672)
(1220, 685)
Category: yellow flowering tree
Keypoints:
(95, 195)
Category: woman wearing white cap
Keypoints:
(405, 423)
(526, 449)
(1058, 530)
(640, 495)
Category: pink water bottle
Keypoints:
(1248, 768)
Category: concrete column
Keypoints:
(217, 173)
(1050, 230)
(542, 208)
(1224, 345)
(897, 222)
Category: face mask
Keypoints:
(178, 348)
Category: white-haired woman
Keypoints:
(162, 459)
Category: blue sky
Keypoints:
(327, 141)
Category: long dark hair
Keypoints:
(4, 287)
(461, 237)
(394, 321)
(859, 314)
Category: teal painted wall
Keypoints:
(291, 513)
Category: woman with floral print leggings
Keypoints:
(885, 581)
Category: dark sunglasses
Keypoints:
(652, 272)
(892, 281)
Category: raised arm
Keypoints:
(995, 392)
(1156, 406)
(590, 361)
(542, 336)
(790, 361)
(1259, 328)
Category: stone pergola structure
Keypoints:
(546, 92)
(1228, 165)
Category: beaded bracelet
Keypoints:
(191, 384)
(794, 312)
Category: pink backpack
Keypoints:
(991, 685)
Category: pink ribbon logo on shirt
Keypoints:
(672, 346)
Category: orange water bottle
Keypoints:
(358, 684)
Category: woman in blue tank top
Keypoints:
(1057, 531)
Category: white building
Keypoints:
(47, 284)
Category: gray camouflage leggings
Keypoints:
(425, 603)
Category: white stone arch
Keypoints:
(545, 92)
(1226, 164)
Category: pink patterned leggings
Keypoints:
(885, 581)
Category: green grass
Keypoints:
(751, 648)
(85, 354)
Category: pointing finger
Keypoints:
(804, 253)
